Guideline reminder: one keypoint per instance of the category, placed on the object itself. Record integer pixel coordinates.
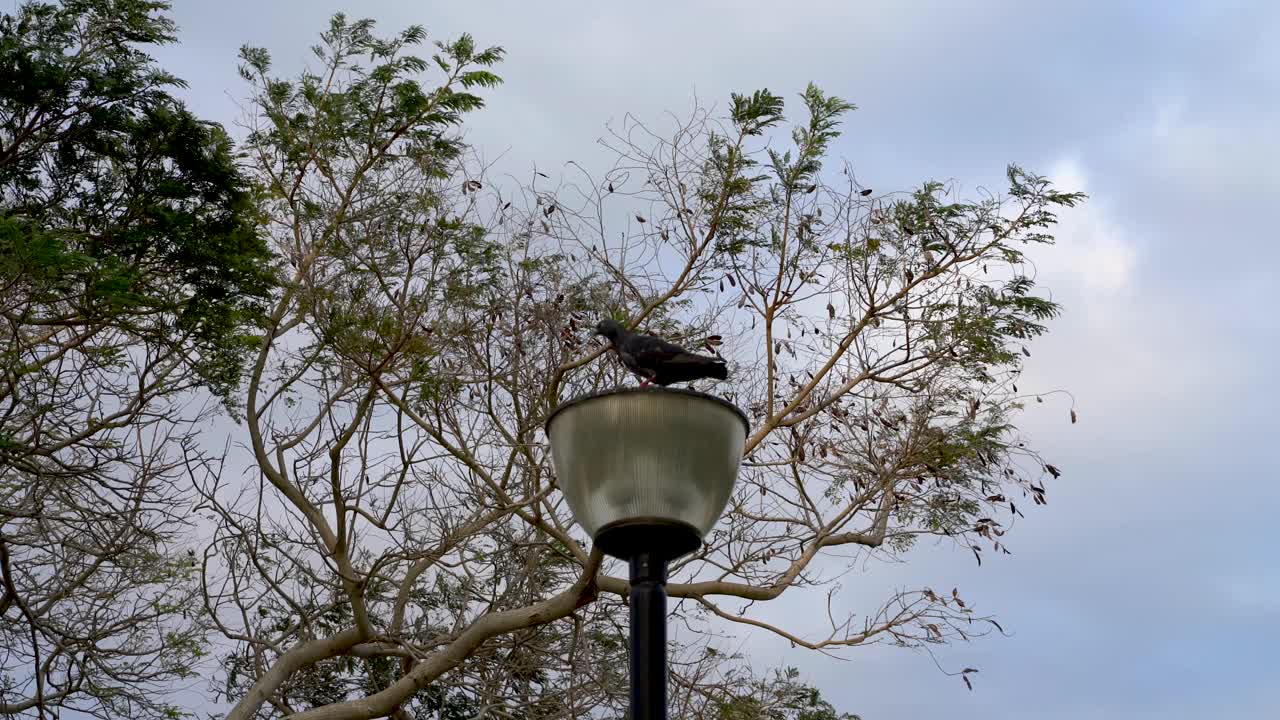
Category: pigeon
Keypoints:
(658, 361)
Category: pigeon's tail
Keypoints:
(718, 369)
(693, 366)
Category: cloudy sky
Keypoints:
(1150, 585)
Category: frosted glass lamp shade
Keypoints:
(647, 469)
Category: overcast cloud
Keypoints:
(1149, 586)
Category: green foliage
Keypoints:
(378, 103)
(118, 207)
(755, 113)
(351, 161)
(727, 184)
(131, 273)
(731, 174)
(811, 140)
(782, 696)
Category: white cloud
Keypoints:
(1092, 253)
(1208, 149)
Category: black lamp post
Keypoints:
(647, 473)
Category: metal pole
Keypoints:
(648, 637)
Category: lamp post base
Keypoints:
(648, 544)
(648, 600)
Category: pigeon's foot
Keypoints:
(646, 382)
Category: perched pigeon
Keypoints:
(658, 361)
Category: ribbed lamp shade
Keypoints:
(640, 467)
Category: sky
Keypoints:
(1149, 586)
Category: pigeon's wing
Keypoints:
(629, 361)
(651, 352)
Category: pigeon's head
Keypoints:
(611, 329)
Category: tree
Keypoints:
(780, 697)
(401, 548)
(131, 272)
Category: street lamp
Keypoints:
(647, 472)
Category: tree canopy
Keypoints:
(406, 552)
(381, 535)
(132, 274)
